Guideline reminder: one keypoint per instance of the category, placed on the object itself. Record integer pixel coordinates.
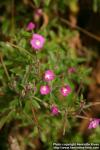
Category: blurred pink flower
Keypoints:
(37, 41)
(65, 90)
(71, 70)
(38, 12)
(30, 26)
(54, 110)
(94, 123)
(45, 89)
(49, 75)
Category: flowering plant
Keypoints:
(42, 83)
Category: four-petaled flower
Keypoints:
(45, 89)
(94, 123)
(30, 26)
(49, 75)
(65, 90)
(54, 110)
(37, 41)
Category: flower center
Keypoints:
(37, 42)
(47, 76)
(44, 88)
(65, 90)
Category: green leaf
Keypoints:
(37, 2)
(47, 2)
(43, 137)
(95, 5)
(6, 119)
(27, 107)
(13, 104)
(35, 104)
(17, 70)
(22, 43)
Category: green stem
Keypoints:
(38, 99)
(26, 76)
(35, 120)
(92, 104)
(4, 66)
(83, 117)
(82, 30)
(12, 18)
(64, 122)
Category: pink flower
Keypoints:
(71, 70)
(65, 90)
(45, 89)
(94, 123)
(30, 26)
(38, 12)
(49, 75)
(54, 110)
(37, 41)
